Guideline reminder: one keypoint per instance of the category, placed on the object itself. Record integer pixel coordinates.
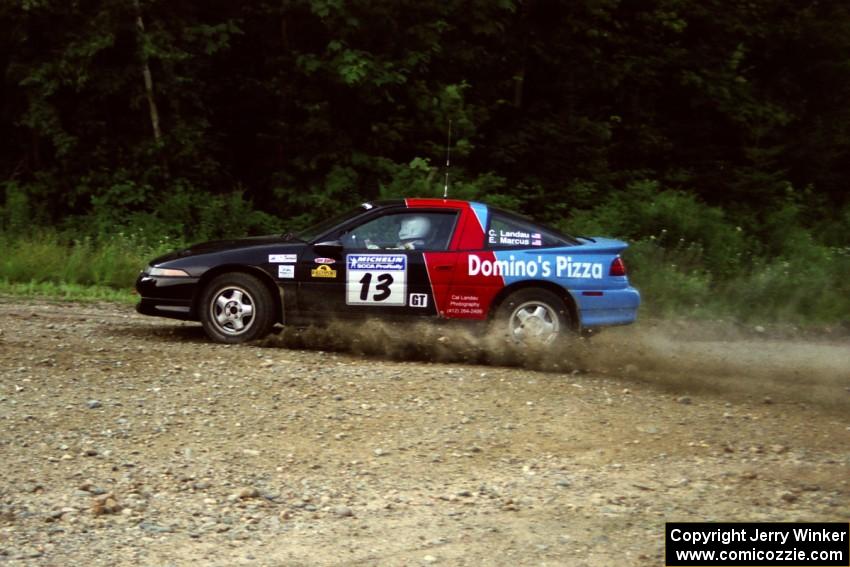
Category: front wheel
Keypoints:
(533, 317)
(236, 308)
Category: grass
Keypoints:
(45, 258)
(66, 292)
(810, 287)
(45, 264)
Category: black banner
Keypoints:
(692, 544)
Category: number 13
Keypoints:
(383, 286)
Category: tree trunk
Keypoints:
(524, 31)
(519, 85)
(146, 71)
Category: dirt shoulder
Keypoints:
(131, 440)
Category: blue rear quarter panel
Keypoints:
(582, 270)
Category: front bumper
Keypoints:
(167, 296)
(165, 308)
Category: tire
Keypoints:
(237, 308)
(533, 317)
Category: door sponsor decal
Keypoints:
(564, 267)
(464, 306)
(323, 271)
(376, 279)
(286, 272)
(419, 300)
(283, 258)
(325, 261)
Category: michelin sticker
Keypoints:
(286, 272)
(283, 258)
(564, 267)
(376, 279)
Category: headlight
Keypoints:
(168, 272)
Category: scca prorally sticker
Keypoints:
(564, 267)
(286, 272)
(419, 300)
(283, 258)
(323, 271)
(376, 279)
(325, 261)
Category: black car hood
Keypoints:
(219, 245)
(214, 246)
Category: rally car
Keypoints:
(400, 259)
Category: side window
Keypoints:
(402, 231)
(505, 232)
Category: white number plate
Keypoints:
(376, 279)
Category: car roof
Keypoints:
(416, 202)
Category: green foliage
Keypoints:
(670, 282)
(672, 219)
(416, 179)
(687, 257)
(16, 214)
(566, 102)
(181, 214)
(47, 258)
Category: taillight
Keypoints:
(618, 268)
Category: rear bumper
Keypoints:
(612, 307)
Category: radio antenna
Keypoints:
(448, 161)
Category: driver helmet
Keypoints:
(414, 228)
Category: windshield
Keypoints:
(318, 229)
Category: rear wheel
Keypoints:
(236, 308)
(534, 317)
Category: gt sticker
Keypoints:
(419, 300)
(376, 279)
(286, 272)
(323, 271)
(283, 258)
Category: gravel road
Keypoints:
(128, 440)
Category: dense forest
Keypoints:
(715, 134)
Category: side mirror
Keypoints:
(328, 247)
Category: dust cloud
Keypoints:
(693, 359)
(738, 365)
